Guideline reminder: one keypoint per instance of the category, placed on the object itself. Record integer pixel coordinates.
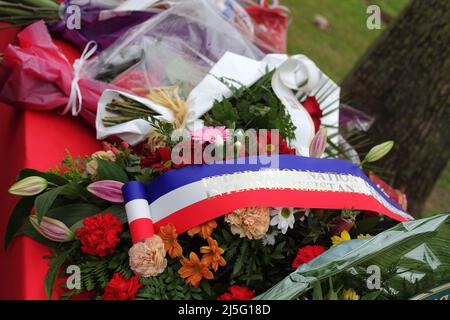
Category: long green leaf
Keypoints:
(50, 177)
(17, 218)
(55, 264)
(72, 213)
(108, 170)
(45, 200)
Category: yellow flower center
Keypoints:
(285, 213)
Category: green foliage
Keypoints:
(164, 128)
(72, 168)
(255, 107)
(249, 262)
(72, 213)
(170, 286)
(45, 201)
(108, 170)
(17, 218)
(96, 272)
(49, 176)
(57, 259)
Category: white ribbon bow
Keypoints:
(75, 99)
(292, 74)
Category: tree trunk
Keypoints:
(404, 81)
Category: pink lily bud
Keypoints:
(318, 144)
(108, 190)
(52, 229)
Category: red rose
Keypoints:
(160, 159)
(152, 157)
(313, 107)
(306, 254)
(119, 288)
(237, 293)
(99, 235)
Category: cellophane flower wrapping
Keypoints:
(176, 47)
(411, 258)
(99, 22)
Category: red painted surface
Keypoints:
(37, 140)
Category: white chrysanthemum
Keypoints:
(269, 238)
(283, 218)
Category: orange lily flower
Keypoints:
(171, 245)
(193, 270)
(204, 230)
(212, 254)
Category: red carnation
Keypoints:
(155, 157)
(159, 159)
(237, 293)
(119, 288)
(313, 107)
(306, 254)
(99, 235)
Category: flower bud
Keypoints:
(52, 229)
(124, 145)
(318, 144)
(29, 186)
(108, 190)
(379, 151)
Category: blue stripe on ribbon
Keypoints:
(175, 179)
(134, 190)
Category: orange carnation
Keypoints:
(171, 245)
(204, 230)
(212, 254)
(194, 270)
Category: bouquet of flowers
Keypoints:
(233, 176)
(204, 220)
(138, 61)
(104, 21)
(77, 21)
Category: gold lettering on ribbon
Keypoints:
(281, 179)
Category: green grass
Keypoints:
(439, 200)
(336, 51)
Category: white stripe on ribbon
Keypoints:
(137, 209)
(194, 192)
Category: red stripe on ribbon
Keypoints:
(208, 209)
(141, 229)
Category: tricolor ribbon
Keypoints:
(192, 195)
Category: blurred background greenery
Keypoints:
(338, 48)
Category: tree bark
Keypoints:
(404, 81)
